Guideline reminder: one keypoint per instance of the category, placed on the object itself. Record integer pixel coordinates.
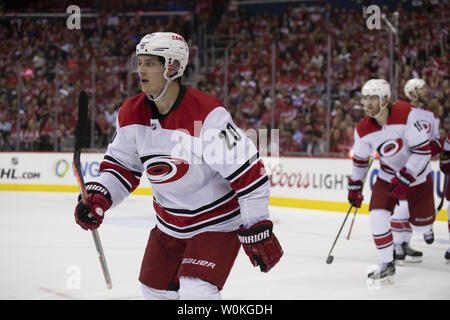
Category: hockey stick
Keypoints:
(79, 135)
(444, 192)
(330, 258)
(364, 181)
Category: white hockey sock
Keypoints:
(155, 294)
(401, 229)
(422, 229)
(197, 289)
(382, 235)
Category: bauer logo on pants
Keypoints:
(199, 262)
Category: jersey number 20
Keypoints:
(231, 135)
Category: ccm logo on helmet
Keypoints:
(390, 148)
(164, 169)
(178, 38)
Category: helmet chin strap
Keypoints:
(162, 92)
(168, 80)
(381, 108)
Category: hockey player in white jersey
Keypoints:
(210, 189)
(444, 163)
(417, 92)
(395, 131)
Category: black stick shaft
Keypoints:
(340, 229)
(79, 136)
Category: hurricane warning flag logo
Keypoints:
(164, 168)
(390, 148)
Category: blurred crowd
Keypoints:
(357, 54)
(50, 64)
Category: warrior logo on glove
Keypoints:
(90, 216)
(261, 245)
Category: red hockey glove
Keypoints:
(261, 245)
(436, 146)
(355, 196)
(444, 162)
(400, 184)
(99, 200)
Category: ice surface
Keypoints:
(44, 254)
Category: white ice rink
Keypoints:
(44, 254)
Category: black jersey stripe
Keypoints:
(119, 177)
(253, 186)
(361, 165)
(388, 172)
(219, 201)
(423, 170)
(150, 156)
(242, 168)
(199, 226)
(420, 144)
(113, 160)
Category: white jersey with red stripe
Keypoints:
(205, 173)
(402, 142)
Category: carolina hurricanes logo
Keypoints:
(426, 125)
(390, 148)
(165, 169)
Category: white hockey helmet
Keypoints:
(377, 87)
(411, 85)
(169, 45)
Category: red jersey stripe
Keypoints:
(187, 220)
(253, 174)
(129, 176)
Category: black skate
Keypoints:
(429, 237)
(447, 256)
(382, 275)
(407, 254)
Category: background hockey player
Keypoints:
(210, 196)
(396, 133)
(417, 92)
(444, 164)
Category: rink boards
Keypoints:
(298, 182)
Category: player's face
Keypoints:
(151, 74)
(371, 105)
(422, 94)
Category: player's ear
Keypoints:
(173, 68)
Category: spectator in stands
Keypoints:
(297, 134)
(5, 133)
(336, 142)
